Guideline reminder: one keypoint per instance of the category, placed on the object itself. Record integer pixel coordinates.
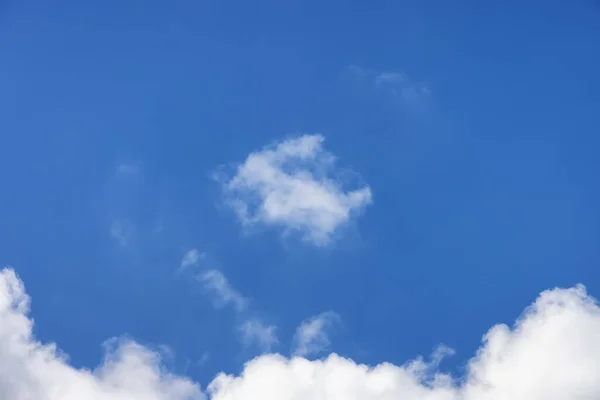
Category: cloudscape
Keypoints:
(289, 201)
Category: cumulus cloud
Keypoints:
(223, 292)
(291, 184)
(312, 335)
(30, 370)
(254, 331)
(551, 353)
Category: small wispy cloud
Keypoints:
(191, 258)
(251, 329)
(203, 359)
(291, 184)
(223, 293)
(312, 336)
(122, 232)
(425, 368)
(399, 85)
(128, 169)
(254, 331)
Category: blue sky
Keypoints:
(448, 175)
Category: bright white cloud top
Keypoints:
(552, 353)
(32, 371)
(293, 185)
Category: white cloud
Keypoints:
(254, 331)
(291, 185)
(30, 370)
(224, 294)
(312, 335)
(251, 329)
(552, 353)
(191, 258)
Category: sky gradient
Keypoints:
(235, 185)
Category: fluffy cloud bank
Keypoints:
(552, 353)
(30, 370)
(290, 185)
